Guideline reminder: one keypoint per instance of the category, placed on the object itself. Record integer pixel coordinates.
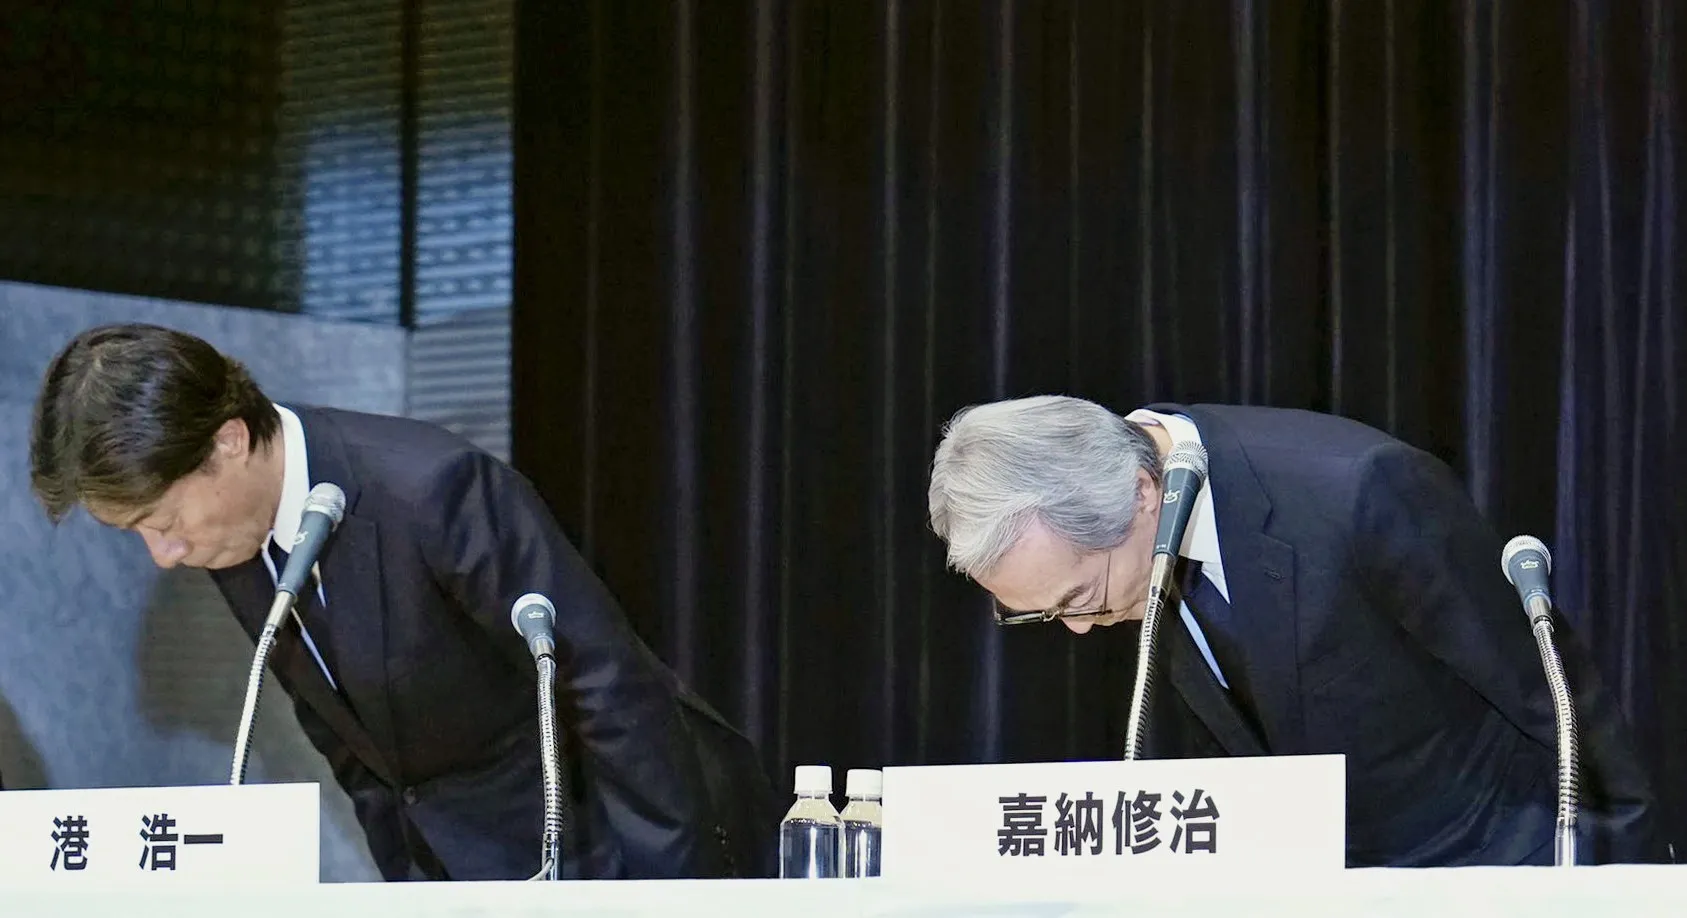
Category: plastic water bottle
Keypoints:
(863, 822)
(809, 833)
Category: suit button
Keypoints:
(410, 795)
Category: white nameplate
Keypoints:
(1069, 820)
(255, 835)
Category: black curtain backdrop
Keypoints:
(764, 249)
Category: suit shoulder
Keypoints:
(1399, 472)
(403, 457)
(1297, 429)
(1311, 464)
(361, 430)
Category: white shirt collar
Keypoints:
(295, 480)
(295, 489)
(1200, 540)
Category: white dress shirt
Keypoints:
(295, 488)
(1200, 540)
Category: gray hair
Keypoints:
(1067, 462)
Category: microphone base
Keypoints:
(1564, 845)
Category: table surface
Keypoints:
(1533, 891)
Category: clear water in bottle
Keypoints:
(808, 847)
(809, 834)
(863, 823)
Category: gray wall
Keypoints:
(113, 673)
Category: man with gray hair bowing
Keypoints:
(1340, 594)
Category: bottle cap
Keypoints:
(864, 782)
(814, 779)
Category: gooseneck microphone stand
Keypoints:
(534, 618)
(551, 763)
(1527, 564)
(255, 686)
(1142, 689)
(1569, 751)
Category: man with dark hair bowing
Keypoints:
(1339, 594)
(403, 666)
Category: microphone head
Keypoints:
(1527, 563)
(1525, 558)
(1187, 455)
(327, 498)
(530, 611)
(1181, 479)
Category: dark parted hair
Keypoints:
(126, 411)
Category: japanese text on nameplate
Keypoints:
(160, 837)
(1120, 823)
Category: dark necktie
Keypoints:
(1218, 625)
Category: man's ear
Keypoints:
(1147, 494)
(1145, 485)
(233, 440)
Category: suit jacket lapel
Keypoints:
(351, 579)
(1259, 571)
(1200, 689)
(249, 590)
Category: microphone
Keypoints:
(534, 618)
(1527, 564)
(1180, 483)
(323, 510)
(1184, 474)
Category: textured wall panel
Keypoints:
(464, 95)
(253, 152)
(137, 149)
(342, 125)
(460, 351)
(460, 377)
(113, 673)
(339, 147)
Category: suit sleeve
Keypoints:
(490, 539)
(372, 800)
(1429, 557)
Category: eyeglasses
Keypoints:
(1094, 607)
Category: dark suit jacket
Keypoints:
(1374, 621)
(435, 737)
